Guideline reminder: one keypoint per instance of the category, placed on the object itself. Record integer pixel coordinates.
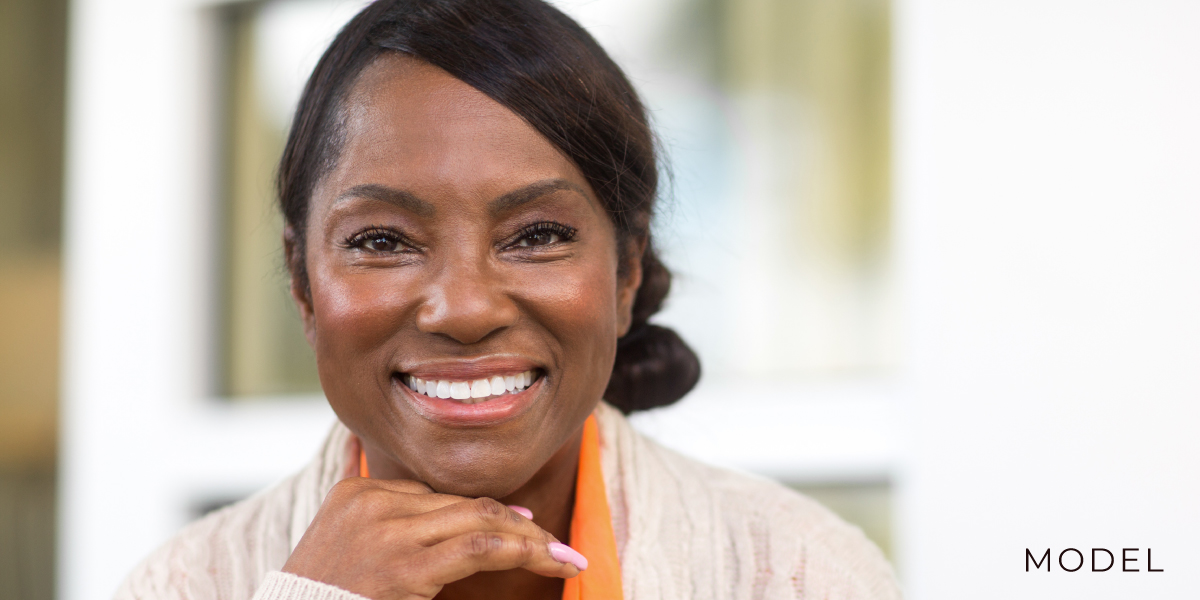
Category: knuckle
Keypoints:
(527, 547)
(366, 500)
(345, 487)
(344, 491)
(480, 544)
(490, 510)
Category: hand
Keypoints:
(398, 540)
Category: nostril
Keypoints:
(466, 312)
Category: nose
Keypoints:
(466, 301)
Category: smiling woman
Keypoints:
(453, 243)
(467, 190)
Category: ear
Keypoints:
(301, 294)
(627, 286)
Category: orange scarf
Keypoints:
(591, 525)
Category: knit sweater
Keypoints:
(684, 531)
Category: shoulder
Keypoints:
(757, 534)
(223, 555)
(227, 553)
(819, 550)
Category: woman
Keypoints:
(467, 190)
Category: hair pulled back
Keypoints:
(538, 63)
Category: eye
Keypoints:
(539, 238)
(544, 234)
(380, 243)
(377, 240)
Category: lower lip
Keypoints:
(451, 412)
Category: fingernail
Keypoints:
(566, 554)
(524, 512)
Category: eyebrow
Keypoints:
(532, 192)
(383, 193)
(412, 203)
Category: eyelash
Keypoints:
(359, 240)
(564, 232)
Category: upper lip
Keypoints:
(468, 369)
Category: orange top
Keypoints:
(591, 525)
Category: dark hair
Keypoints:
(538, 63)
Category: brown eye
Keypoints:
(544, 234)
(539, 238)
(380, 243)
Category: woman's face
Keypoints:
(453, 244)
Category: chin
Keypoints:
(472, 483)
(475, 470)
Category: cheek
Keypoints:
(356, 316)
(579, 307)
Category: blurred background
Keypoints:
(33, 48)
(941, 262)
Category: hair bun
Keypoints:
(654, 367)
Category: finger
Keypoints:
(478, 515)
(403, 486)
(376, 499)
(465, 555)
(352, 486)
(423, 499)
(411, 505)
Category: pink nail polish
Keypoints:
(566, 554)
(524, 512)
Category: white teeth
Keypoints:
(470, 392)
(480, 388)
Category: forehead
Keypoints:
(410, 123)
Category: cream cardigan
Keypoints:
(684, 531)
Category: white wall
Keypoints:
(140, 441)
(1049, 203)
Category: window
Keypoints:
(271, 48)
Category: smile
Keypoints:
(472, 392)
